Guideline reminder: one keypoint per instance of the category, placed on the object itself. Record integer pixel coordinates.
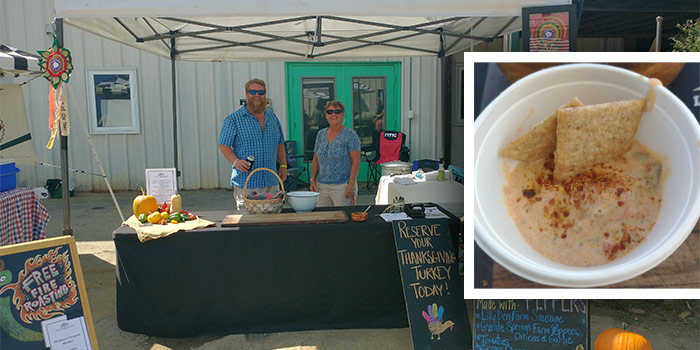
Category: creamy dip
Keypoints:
(593, 219)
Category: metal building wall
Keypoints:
(206, 92)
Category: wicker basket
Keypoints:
(262, 206)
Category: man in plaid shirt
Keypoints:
(254, 131)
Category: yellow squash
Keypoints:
(154, 217)
(175, 203)
(144, 204)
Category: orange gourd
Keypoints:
(144, 204)
(620, 339)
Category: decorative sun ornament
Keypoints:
(56, 64)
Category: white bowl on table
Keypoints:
(303, 201)
(669, 128)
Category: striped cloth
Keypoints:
(18, 62)
(24, 216)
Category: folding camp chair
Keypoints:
(370, 155)
(295, 171)
(387, 146)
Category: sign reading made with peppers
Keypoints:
(43, 303)
(524, 324)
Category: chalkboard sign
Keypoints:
(43, 303)
(525, 324)
(437, 313)
(687, 87)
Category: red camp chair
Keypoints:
(387, 146)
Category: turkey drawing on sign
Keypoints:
(435, 324)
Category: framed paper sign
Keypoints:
(161, 183)
(43, 302)
(549, 28)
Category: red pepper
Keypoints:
(163, 207)
(185, 212)
(193, 217)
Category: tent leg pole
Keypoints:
(446, 73)
(65, 183)
(174, 89)
(65, 186)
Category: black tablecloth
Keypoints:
(257, 279)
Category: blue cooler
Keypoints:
(8, 174)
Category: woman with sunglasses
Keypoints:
(336, 160)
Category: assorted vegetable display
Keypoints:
(147, 210)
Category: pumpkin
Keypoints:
(144, 204)
(620, 339)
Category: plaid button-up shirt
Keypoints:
(242, 132)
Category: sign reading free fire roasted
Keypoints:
(43, 303)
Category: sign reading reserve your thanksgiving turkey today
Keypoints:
(437, 313)
(43, 303)
(524, 324)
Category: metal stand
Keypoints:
(65, 183)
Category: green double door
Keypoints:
(370, 91)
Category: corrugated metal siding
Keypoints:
(421, 91)
(206, 93)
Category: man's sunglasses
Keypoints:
(256, 92)
(330, 111)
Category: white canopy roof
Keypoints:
(225, 30)
(14, 62)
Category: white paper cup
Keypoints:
(669, 128)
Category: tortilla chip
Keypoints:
(593, 134)
(538, 142)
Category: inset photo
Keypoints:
(586, 174)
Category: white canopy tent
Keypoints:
(224, 30)
(284, 30)
(16, 63)
(17, 67)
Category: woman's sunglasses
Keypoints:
(256, 92)
(330, 111)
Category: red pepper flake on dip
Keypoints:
(609, 196)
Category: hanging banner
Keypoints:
(62, 111)
(56, 64)
(56, 67)
(549, 28)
